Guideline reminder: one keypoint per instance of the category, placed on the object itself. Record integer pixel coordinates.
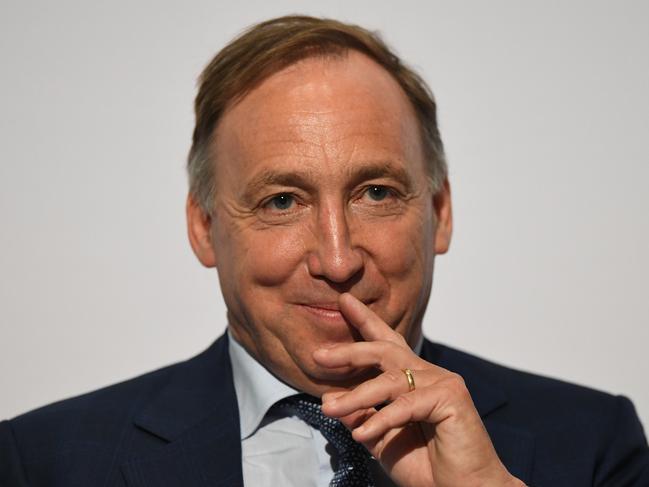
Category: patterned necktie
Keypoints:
(352, 469)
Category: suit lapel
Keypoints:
(196, 413)
(514, 445)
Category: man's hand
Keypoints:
(431, 436)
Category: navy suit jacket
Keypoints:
(179, 427)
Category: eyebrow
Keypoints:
(364, 172)
(307, 180)
(300, 179)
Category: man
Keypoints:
(318, 190)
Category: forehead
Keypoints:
(323, 112)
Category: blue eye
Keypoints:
(282, 201)
(378, 193)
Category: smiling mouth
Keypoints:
(327, 311)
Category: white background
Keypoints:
(544, 109)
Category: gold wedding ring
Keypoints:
(411, 379)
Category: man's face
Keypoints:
(321, 188)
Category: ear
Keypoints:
(444, 216)
(199, 226)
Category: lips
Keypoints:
(326, 311)
(325, 306)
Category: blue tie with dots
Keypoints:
(352, 469)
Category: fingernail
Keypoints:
(328, 401)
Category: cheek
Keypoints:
(401, 248)
(403, 257)
(269, 257)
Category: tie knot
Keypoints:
(352, 468)
(309, 409)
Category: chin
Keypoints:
(323, 379)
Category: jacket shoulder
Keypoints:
(95, 423)
(79, 435)
(534, 390)
(111, 402)
(83, 440)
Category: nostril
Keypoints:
(336, 267)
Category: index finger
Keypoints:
(366, 321)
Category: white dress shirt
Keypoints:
(278, 449)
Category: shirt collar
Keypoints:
(257, 389)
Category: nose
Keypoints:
(334, 256)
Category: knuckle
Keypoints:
(455, 385)
(362, 387)
(392, 376)
(404, 400)
(398, 340)
(457, 379)
(398, 344)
